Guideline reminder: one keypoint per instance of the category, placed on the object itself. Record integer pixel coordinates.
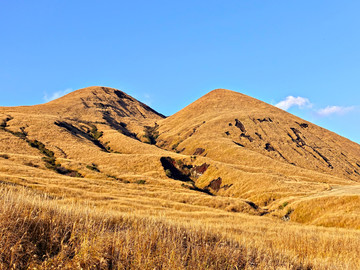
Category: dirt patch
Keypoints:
(303, 125)
(238, 144)
(215, 184)
(199, 170)
(298, 140)
(227, 186)
(323, 157)
(199, 151)
(259, 135)
(253, 205)
(240, 125)
(269, 147)
(244, 135)
(3, 124)
(266, 119)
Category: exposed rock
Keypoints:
(172, 171)
(243, 135)
(303, 125)
(215, 184)
(299, 141)
(197, 171)
(266, 119)
(259, 135)
(253, 205)
(199, 151)
(239, 144)
(240, 125)
(178, 170)
(323, 157)
(269, 147)
(227, 186)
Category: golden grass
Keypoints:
(36, 233)
(210, 123)
(128, 214)
(41, 231)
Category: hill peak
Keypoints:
(96, 103)
(224, 100)
(220, 91)
(93, 92)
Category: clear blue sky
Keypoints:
(169, 53)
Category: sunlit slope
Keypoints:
(234, 128)
(227, 164)
(99, 105)
(225, 151)
(96, 125)
(80, 151)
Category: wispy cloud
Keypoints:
(339, 110)
(304, 103)
(56, 94)
(147, 99)
(291, 101)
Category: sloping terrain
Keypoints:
(236, 165)
(253, 127)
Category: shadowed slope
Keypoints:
(98, 105)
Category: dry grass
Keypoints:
(127, 214)
(86, 225)
(37, 233)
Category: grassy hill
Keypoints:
(97, 179)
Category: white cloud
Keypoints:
(302, 102)
(147, 99)
(56, 95)
(334, 110)
(291, 101)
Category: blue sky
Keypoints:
(303, 56)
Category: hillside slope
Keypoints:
(224, 144)
(228, 173)
(223, 120)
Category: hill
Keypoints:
(224, 119)
(236, 165)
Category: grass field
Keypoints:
(97, 180)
